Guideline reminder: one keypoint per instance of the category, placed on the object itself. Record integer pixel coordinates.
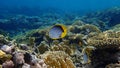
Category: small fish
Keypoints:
(57, 31)
(86, 53)
(85, 58)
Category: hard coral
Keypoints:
(32, 37)
(102, 57)
(8, 64)
(3, 40)
(105, 39)
(42, 47)
(113, 65)
(18, 59)
(84, 29)
(116, 27)
(58, 59)
(90, 28)
(78, 22)
(67, 49)
(75, 38)
(107, 44)
(4, 56)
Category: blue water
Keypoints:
(48, 12)
(64, 5)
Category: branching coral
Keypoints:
(78, 22)
(58, 59)
(105, 39)
(43, 47)
(90, 28)
(113, 66)
(106, 44)
(116, 27)
(3, 40)
(62, 47)
(33, 37)
(84, 29)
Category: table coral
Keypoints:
(58, 59)
(107, 44)
(105, 39)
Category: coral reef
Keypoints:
(116, 65)
(102, 57)
(103, 19)
(116, 27)
(43, 47)
(70, 44)
(84, 29)
(33, 36)
(105, 39)
(13, 56)
(8, 64)
(69, 49)
(3, 40)
(106, 44)
(58, 59)
(87, 44)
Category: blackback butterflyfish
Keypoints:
(57, 31)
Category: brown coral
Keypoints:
(62, 47)
(58, 59)
(116, 27)
(113, 65)
(32, 37)
(84, 29)
(90, 28)
(43, 47)
(105, 39)
(8, 64)
(3, 40)
(107, 44)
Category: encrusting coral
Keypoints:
(57, 59)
